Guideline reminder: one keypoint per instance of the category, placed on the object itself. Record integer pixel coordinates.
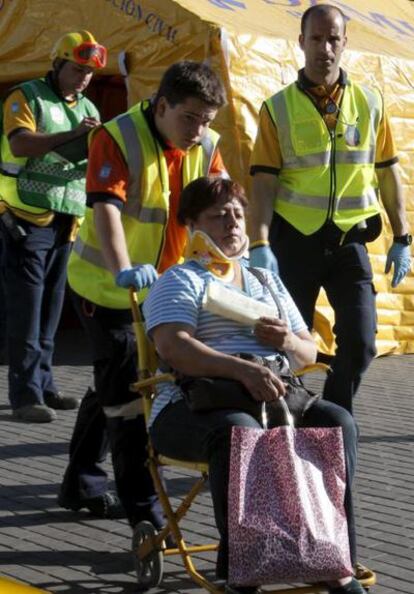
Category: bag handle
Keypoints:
(288, 415)
(263, 280)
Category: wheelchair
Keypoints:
(149, 545)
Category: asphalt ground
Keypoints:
(74, 553)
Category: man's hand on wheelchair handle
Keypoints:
(139, 277)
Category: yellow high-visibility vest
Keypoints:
(145, 213)
(326, 174)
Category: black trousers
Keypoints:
(308, 263)
(114, 362)
(34, 279)
(89, 445)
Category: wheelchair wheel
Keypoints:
(150, 569)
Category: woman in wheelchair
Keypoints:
(195, 342)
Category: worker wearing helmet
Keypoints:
(42, 194)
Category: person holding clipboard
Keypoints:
(42, 195)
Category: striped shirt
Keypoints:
(177, 297)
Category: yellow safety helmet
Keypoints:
(80, 47)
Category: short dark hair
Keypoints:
(191, 79)
(320, 10)
(205, 192)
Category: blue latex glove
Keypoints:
(263, 257)
(139, 277)
(399, 255)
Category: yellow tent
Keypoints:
(252, 44)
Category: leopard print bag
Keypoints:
(285, 502)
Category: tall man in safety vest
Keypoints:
(324, 145)
(138, 164)
(42, 192)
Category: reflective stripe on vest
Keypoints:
(134, 159)
(56, 169)
(91, 254)
(312, 201)
(55, 192)
(208, 148)
(313, 160)
(11, 169)
(323, 159)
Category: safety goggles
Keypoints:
(91, 54)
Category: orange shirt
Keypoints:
(108, 175)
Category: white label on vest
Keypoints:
(352, 135)
(56, 114)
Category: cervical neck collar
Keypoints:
(201, 248)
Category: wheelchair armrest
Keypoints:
(151, 381)
(312, 369)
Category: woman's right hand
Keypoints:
(263, 384)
